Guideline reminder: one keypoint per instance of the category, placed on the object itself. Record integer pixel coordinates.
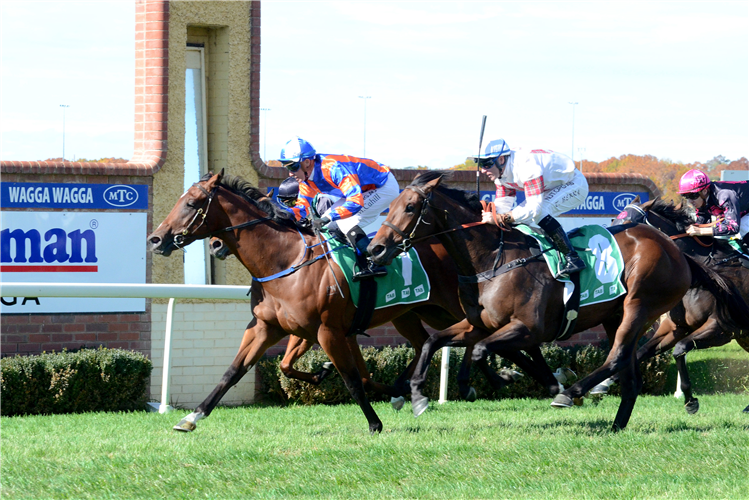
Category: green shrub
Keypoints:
(73, 382)
(385, 364)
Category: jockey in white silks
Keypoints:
(552, 186)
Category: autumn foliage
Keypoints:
(663, 172)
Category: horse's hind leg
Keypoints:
(295, 349)
(258, 337)
(338, 350)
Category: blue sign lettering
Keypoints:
(596, 203)
(58, 195)
(56, 250)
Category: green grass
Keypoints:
(487, 449)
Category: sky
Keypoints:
(668, 79)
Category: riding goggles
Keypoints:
(289, 202)
(487, 163)
(292, 165)
(691, 196)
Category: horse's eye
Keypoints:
(191, 205)
(409, 208)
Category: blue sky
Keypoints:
(670, 79)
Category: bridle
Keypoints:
(408, 239)
(644, 219)
(179, 240)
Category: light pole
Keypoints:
(265, 127)
(63, 106)
(581, 151)
(365, 97)
(573, 130)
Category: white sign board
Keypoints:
(69, 247)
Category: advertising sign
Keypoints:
(596, 203)
(74, 195)
(71, 247)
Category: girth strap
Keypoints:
(492, 273)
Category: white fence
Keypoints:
(155, 291)
(131, 290)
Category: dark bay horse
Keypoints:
(700, 320)
(522, 308)
(306, 303)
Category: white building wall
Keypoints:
(205, 339)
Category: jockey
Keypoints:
(552, 186)
(363, 188)
(727, 201)
(288, 192)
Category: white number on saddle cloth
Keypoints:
(605, 266)
(407, 269)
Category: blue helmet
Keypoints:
(296, 149)
(496, 148)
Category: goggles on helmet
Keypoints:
(288, 201)
(487, 163)
(292, 165)
(691, 196)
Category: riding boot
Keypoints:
(572, 261)
(744, 244)
(359, 241)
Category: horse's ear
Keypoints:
(429, 186)
(220, 176)
(679, 206)
(636, 200)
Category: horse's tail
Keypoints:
(731, 309)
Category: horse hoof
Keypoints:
(746, 410)
(375, 428)
(600, 390)
(397, 403)
(328, 366)
(692, 406)
(562, 401)
(419, 405)
(184, 426)
(471, 396)
(514, 375)
(577, 401)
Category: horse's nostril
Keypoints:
(376, 250)
(155, 240)
(217, 244)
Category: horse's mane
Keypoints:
(465, 198)
(681, 217)
(243, 188)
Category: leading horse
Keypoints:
(303, 300)
(700, 320)
(522, 308)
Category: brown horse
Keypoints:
(522, 308)
(700, 320)
(303, 300)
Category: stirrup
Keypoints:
(371, 271)
(574, 264)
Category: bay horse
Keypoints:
(700, 320)
(521, 309)
(303, 301)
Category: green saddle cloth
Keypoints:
(600, 281)
(405, 283)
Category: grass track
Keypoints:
(494, 449)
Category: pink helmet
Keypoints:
(693, 181)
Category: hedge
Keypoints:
(385, 364)
(74, 382)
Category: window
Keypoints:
(196, 256)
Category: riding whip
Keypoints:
(478, 158)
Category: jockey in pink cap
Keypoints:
(727, 201)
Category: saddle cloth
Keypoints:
(601, 280)
(405, 283)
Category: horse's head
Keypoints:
(408, 218)
(188, 220)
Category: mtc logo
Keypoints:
(56, 248)
(622, 200)
(120, 196)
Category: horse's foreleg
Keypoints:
(295, 349)
(456, 335)
(337, 349)
(258, 337)
(508, 343)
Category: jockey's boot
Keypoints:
(744, 244)
(359, 241)
(572, 261)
